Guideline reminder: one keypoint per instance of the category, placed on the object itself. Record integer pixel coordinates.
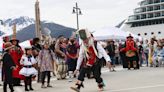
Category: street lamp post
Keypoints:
(77, 11)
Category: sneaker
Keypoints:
(49, 86)
(101, 89)
(75, 89)
(43, 86)
(101, 86)
(31, 89)
(69, 80)
(27, 90)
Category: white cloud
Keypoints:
(96, 13)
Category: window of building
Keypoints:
(143, 16)
(143, 10)
(152, 33)
(147, 23)
(157, 14)
(150, 8)
(162, 6)
(150, 1)
(145, 33)
(159, 32)
(157, 7)
(139, 34)
(156, 1)
(150, 15)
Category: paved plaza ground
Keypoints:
(144, 80)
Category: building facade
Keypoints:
(147, 20)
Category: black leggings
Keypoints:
(5, 87)
(44, 74)
(28, 81)
(96, 69)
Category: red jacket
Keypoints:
(16, 55)
(129, 45)
(92, 58)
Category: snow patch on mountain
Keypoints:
(21, 22)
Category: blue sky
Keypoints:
(96, 13)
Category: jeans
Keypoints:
(147, 56)
(112, 60)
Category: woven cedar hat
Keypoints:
(14, 39)
(84, 34)
(8, 45)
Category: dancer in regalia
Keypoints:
(60, 51)
(130, 50)
(89, 57)
(16, 55)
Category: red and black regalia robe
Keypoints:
(130, 46)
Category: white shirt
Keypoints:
(101, 53)
(25, 61)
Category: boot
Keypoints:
(77, 88)
(101, 86)
(26, 88)
(129, 65)
(134, 64)
(31, 87)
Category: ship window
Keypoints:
(150, 1)
(153, 22)
(145, 33)
(160, 21)
(156, 1)
(152, 33)
(139, 34)
(157, 7)
(143, 9)
(150, 8)
(157, 14)
(143, 16)
(162, 13)
(150, 22)
(146, 23)
(162, 6)
(150, 15)
(159, 32)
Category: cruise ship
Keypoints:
(147, 20)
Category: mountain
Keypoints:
(56, 30)
(21, 22)
(26, 28)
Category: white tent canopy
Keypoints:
(109, 33)
(112, 33)
(25, 44)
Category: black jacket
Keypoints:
(7, 68)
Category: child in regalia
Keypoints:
(28, 69)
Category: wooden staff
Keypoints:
(14, 31)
